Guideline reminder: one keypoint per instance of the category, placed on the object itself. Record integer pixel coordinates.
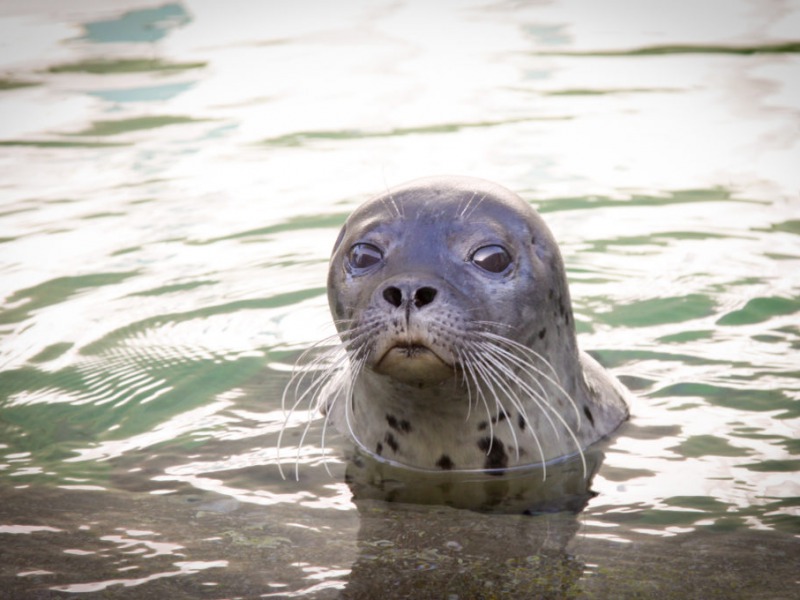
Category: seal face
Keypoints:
(451, 301)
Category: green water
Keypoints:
(172, 180)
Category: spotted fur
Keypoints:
(502, 381)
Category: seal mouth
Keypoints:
(414, 363)
(409, 350)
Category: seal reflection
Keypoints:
(426, 534)
(563, 486)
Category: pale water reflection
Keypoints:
(173, 178)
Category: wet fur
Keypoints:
(519, 396)
(498, 428)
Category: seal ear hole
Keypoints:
(494, 259)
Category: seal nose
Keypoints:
(397, 296)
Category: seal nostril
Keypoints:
(423, 296)
(393, 296)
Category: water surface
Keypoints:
(173, 178)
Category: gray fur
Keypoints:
(502, 382)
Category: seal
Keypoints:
(458, 346)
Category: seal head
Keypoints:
(450, 297)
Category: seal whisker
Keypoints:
(348, 375)
(494, 382)
(326, 367)
(334, 357)
(512, 378)
(467, 203)
(469, 378)
(531, 352)
(398, 212)
(465, 380)
(390, 205)
(515, 379)
(504, 372)
(477, 204)
(516, 345)
(473, 367)
(345, 375)
(339, 376)
(297, 376)
(349, 396)
(356, 346)
(337, 358)
(545, 404)
(540, 396)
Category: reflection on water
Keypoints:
(559, 486)
(173, 178)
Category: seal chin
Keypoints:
(414, 364)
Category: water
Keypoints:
(173, 178)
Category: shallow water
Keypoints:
(173, 178)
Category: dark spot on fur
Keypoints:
(521, 421)
(542, 333)
(550, 294)
(445, 462)
(589, 415)
(402, 425)
(482, 426)
(389, 439)
(499, 418)
(496, 456)
(379, 449)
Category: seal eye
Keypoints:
(363, 256)
(494, 259)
